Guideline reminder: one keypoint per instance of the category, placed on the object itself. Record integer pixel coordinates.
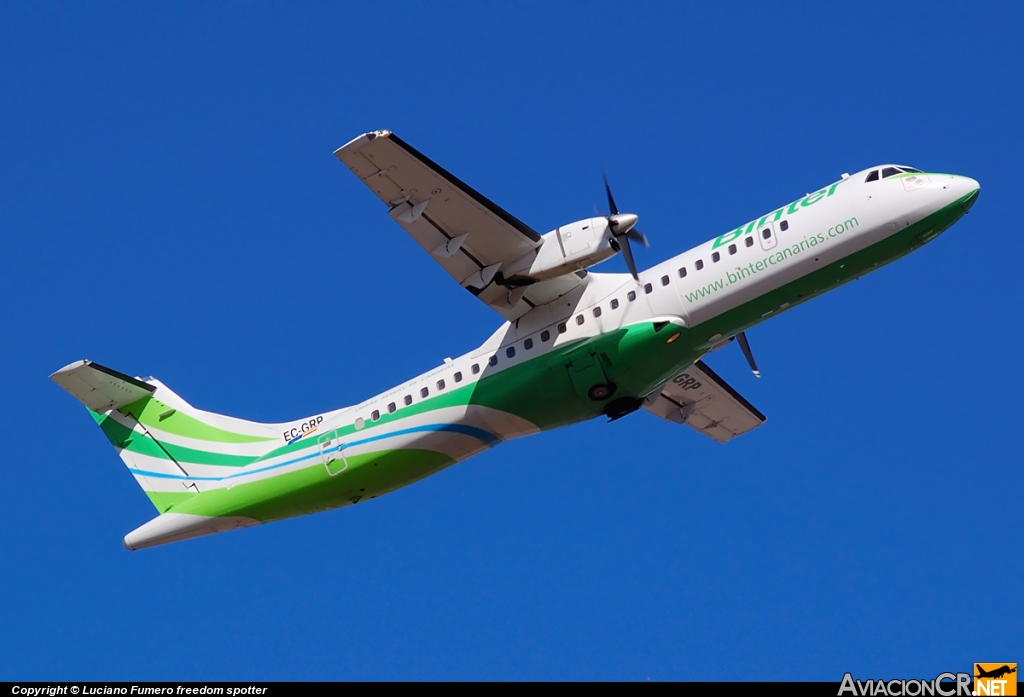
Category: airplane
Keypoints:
(995, 673)
(574, 345)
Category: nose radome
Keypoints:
(968, 189)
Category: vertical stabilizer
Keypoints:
(173, 450)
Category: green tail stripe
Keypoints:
(154, 413)
(125, 438)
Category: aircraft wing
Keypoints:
(467, 234)
(700, 399)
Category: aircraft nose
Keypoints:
(971, 188)
(962, 190)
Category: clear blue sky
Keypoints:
(170, 206)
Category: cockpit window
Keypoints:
(911, 170)
(873, 177)
(889, 172)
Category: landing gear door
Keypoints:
(768, 235)
(332, 453)
(585, 372)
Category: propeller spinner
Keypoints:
(622, 227)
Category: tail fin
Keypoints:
(173, 449)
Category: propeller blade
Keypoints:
(638, 236)
(627, 254)
(611, 201)
(621, 226)
(745, 345)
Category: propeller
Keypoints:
(621, 225)
(745, 345)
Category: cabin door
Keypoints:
(332, 453)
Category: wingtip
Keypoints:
(360, 141)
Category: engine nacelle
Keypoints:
(565, 250)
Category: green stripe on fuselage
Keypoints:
(312, 489)
(636, 358)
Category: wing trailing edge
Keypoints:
(700, 399)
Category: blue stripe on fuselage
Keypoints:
(486, 437)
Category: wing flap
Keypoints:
(700, 399)
(402, 177)
(467, 234)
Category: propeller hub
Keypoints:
(621, 223)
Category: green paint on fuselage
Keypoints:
(635, 358)
(312, 489)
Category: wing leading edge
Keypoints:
(698, 398)
(467, 234)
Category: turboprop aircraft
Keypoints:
(574, 344)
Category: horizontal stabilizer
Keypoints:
(100, 388)
(700, 399)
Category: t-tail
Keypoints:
(174, 450)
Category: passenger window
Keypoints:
(716, 257)
(360, 423)
(750, 242)
(375, 415)
(682, 272)
(766, 233)
(597, 312)
(424, 392)
(784, 225)
(408, 399)
(579, 319)
(889, 172)
(631, 295)
(528, 344)
(392, 408)
(493, 360)
(475, 369)
(545, 335)
(561, 328)
(699, 264)
(732, 249)
(458, 376)
(664, 280)
(440, 385)
(648, 288)
(615, 303)
(510, 351)
(873, 177)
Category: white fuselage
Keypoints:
(690, 288)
